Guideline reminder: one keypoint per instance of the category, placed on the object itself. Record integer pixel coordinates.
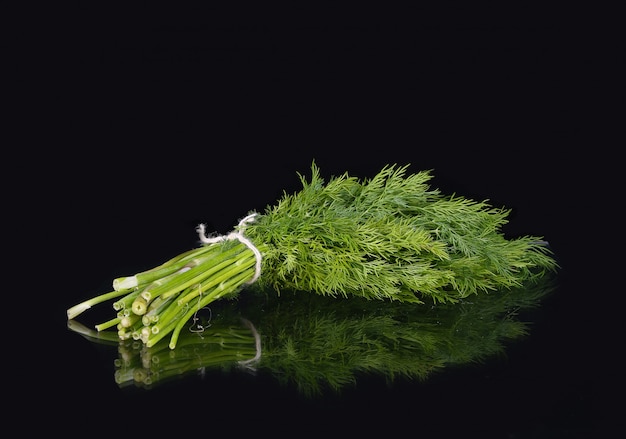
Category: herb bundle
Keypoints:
(391, 237)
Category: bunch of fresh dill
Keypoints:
(390, 237)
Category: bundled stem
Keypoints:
(154, 307)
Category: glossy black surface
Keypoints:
(161, 126)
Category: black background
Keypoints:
(153, 121)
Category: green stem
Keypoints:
(162, 270)
(222, 289)
(78, 327)
(126, 302)
(108, 324)
(78, 309)
(130, 320)
(231, 270)
(154, 309)
(157, 333)
(140, 306)
(180, 281)
(176, 308)
(148, 294)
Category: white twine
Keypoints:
(238, 235)
(250, 363)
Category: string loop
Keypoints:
(238, 235)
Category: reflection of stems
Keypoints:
(92, 335)
(214, 346)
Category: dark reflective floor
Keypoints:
(169, 127)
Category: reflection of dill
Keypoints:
(319, 343)
(315, 342)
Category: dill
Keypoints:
(391, 237)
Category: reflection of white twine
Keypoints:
(249, 364)
(240, 237)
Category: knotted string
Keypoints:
(238, 235)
